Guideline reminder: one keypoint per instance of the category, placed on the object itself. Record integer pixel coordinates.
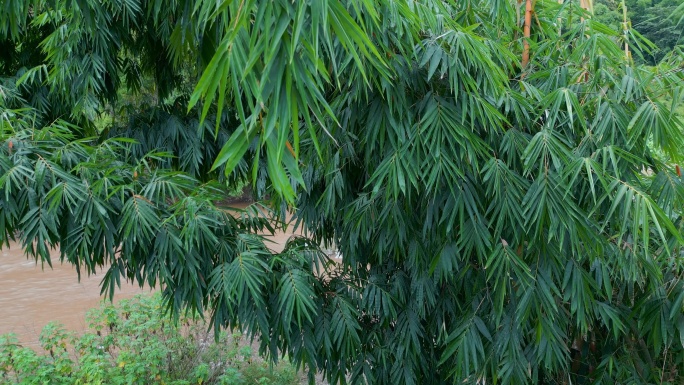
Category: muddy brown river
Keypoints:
(32, 296)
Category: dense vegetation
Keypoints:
(660, 22)
(134, 343)
(504, 188)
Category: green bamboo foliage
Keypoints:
(495, 225)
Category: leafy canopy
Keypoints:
(498, 223)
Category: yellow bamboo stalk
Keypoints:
(526, 33)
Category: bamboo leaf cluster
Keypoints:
(496, 222)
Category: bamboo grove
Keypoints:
(498, 222)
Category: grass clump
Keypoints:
(135, 343)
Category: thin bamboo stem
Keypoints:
(625, 31)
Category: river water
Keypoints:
(31, 296)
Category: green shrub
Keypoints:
(134, 343)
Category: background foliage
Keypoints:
(496, 222)
(661, 22)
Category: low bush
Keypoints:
(135, 343)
